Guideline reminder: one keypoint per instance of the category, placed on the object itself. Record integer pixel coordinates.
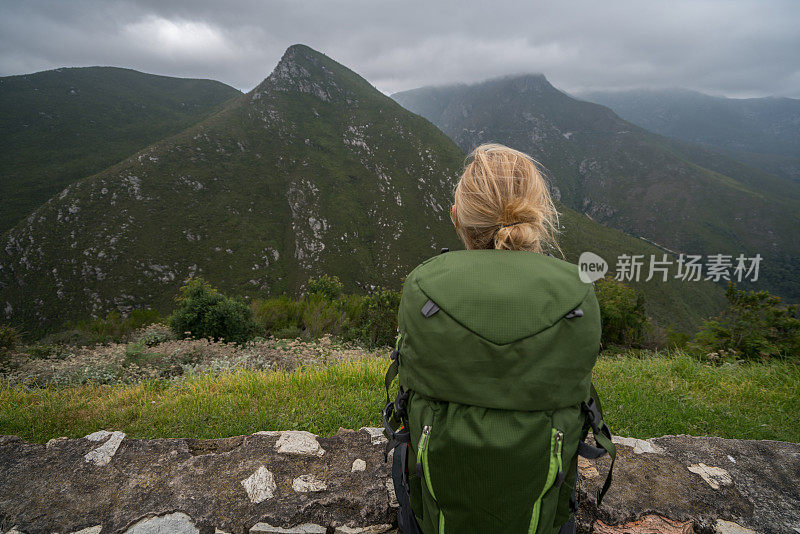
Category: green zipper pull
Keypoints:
(557, 451)
(423, 444)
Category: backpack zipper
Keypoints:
(422, 463)
(423, 469)
(555, 475)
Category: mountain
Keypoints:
(314, 171)
(62, 125)
(762, 132)
(626, 177)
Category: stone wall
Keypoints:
(295, 482)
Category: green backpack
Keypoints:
(494, 353)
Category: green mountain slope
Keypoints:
(762, 132)
(623, 176)
(62, 125)
(314, 171)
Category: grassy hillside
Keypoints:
(626, 177)
(62, 125)
(314, 171)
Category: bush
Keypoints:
(754, 326)
(622, 314)
(322, 316)
(370, 320)
(111, 329)
(154, 334)
(376, 324)
(278, 313)
(327, 287)
(204, 312)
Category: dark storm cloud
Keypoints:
(736, 48)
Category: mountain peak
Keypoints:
(303, 69)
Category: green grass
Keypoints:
(643, 397)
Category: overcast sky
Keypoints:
(728, 47)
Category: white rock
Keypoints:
(306, 483)
(391, 494)
(268, 433)
(729, 527)
(372, 529)
(639, 446)
(218, 530)
(715, 476)
(375, 434)
(14, 530)
(90, 530)
(358, 465)
(100, 435)
(299, 442)
(305, 528)
(103, 454)
(260, 486)
(174, 523)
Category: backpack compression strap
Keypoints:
(395, 419)
(602, 436)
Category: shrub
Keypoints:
(753, 326)
(322, 316)
(289, 332)
(376, 324)
(154, 334)
(278, 313)
(113, 328)
(622, 313)
(327, 287)
(325, 309)
(204, 312)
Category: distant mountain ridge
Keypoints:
(61, 125)
(763, 132)
(314, 171)
(626, 177)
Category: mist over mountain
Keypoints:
(314, 171)
(626, 177)
(61, 125)
(763, 132)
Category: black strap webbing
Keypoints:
(602, 436)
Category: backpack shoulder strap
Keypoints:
(593, 411)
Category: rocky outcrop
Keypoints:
(295, 482)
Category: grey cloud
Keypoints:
(730, 47)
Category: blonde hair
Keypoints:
(502, 202)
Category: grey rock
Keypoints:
(201, 486)
(260, 486)
(175, 523)
(305, 528)
(199, 478)
(308, 482)
(762, 495)
(103, 454)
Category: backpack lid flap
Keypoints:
(502, 295)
